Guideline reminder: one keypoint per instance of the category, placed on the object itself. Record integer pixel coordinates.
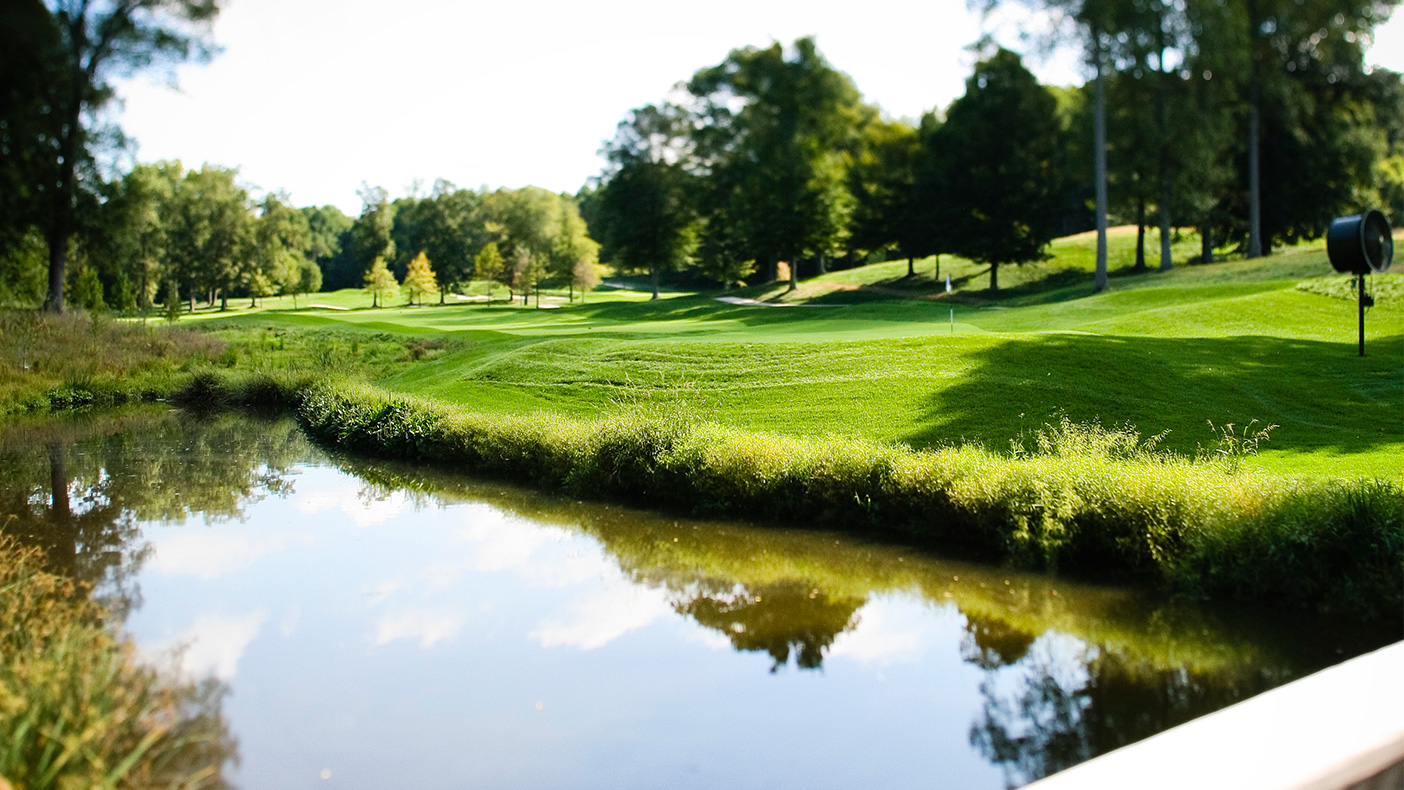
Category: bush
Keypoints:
(1080, 498)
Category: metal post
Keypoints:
(1360, 295)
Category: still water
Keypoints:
(385, 626)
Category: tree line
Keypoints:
(1255, 122)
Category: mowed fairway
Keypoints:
(874, 353)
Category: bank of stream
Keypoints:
(373, 623)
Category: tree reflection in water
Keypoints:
(781, 619)
(75, 491)
(1053, 701)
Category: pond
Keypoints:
(380, 625)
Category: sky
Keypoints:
(316, 97)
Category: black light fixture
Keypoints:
(1360, 245)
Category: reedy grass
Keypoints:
(1088, 500)
(77, 709)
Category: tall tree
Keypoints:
(93, 42)
(330, 246)
(881, 182)
(372, 232)
(209, 232)
(282, 237)
(644, 207)
(775, 137)
(1093, 21)
(998, 146)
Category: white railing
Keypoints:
(1339, 729)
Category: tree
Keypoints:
(329, 244)
(136, 220)
(585, 275)
(209, 232)
(881, 182)
(774, 138)
(488, 265)
(453, 233)
(282, 238)
(997, 147)
(380, 283)
(645, 210)
(371, 233)
(419, 279)
(93, 42)
(308, 280)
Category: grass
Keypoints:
(1228, 342)
(763, 400)
(78, 709)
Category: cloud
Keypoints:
(599, 619)
(210, 553)
(429, 627)
(888, 632)
(347, 500)
(213, 645)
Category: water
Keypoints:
(380, 625)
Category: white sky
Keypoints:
(316, 96)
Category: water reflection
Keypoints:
(781, 619)
(369, 615)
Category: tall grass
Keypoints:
(76, 707)
(65, 361)
(1081, 498)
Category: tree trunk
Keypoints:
(192, 299)
(61, 222)
(64, 538)
(823, 264)
(1164, 128)
(994, 277)
(1166, 264)
(1206, 241)
(938, 265)
(1255, 198)
(1140, 234)
(58, 247)
(1099, 146)
(794, 272)
(224, 301)
(653, 278)
(911, 265)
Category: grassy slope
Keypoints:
(1230, 342)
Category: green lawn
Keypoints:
(871, 352)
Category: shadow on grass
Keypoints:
(1323, 397)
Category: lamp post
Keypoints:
(1360, 245)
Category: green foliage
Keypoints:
(775, 134)
(995, 155)
(87, 290)
(123, 297)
